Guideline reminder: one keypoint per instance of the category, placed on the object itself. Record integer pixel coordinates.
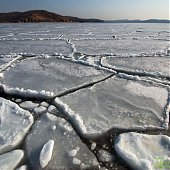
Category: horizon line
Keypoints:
(122, 19)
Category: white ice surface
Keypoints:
(46, 153)
(153, 65)
(14, 125)
(55, 76)
(143, 151)
(122, 47)
(116, 103)
(10, 160)
(66, 141)
(88, 38)
(35, 47)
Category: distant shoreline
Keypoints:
(139, 21)
(39, 16)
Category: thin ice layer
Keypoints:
(14, 125)
(116, 103)
(153, 65)
(53, 75)
(35, 47)
(122, 47)
(10, 160)
(143, 151)
(68, 150)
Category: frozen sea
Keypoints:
(74, 95)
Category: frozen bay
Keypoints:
(71, 92)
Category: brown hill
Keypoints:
(40, 16)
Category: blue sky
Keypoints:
(103, 9)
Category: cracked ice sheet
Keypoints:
(143, 151)
(4, 61)
(68, 151)
(121, 47)
(31, 37)
(14, 125)
(35, 47)
(116, 103)
(54, 75)
(152, 65)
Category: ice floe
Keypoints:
(142, 151)
(68, 150)
(122, 47)
(18, 100)
(29, 105)
(42, 47)
(10, 160)
(116, 103)
(158, 66)
(105, 156)
(46, 153)
(15, 123)
(40, 109)
(55, 77)
(51, 108)
(44, 104)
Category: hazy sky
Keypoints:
(102, 9)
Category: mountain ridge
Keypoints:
(40, 16)
(46, 16)
(138, 21)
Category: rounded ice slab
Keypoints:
(66, 148)
(143, 151)
(10, 160)
(116, 103)
(14, 124)
(158, 66)
(49, 77)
